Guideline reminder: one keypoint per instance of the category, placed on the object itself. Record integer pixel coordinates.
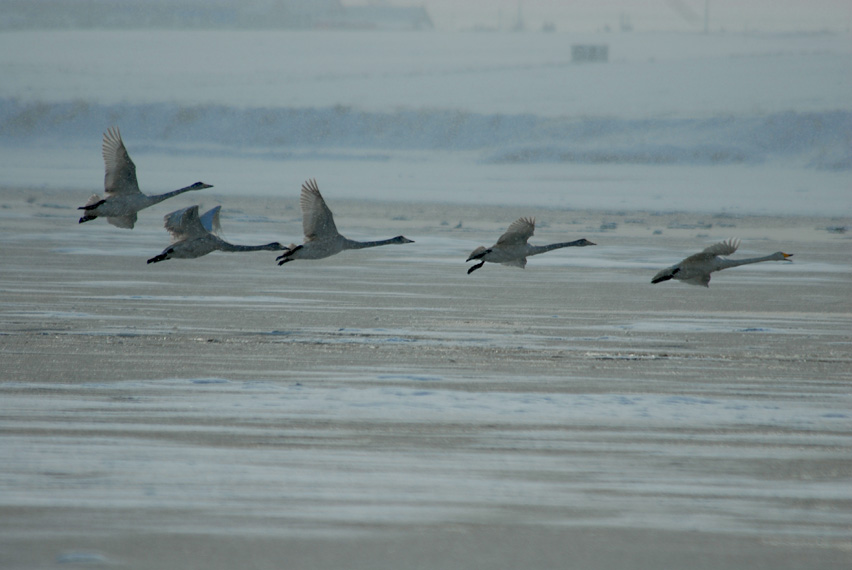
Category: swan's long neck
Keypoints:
(536, 249)
(726, 263)
(156, 199)
(352, 244)
(225, 246)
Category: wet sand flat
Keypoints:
(383, 409)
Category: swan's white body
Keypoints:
(123, 197)
(512, 247)
(321, 236)
(194, 236)
(696, 269)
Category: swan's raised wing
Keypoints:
(184, 224)
(120, 177)
(210, 220)
(518, 233)
(722, 248)
(317, 221)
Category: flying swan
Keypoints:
(123, 197)
(696, 269)
(194, 236)
(321, 236)
(512, 247)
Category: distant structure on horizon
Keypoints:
(209, 14)
(585, 53)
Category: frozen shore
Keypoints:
(382, 409)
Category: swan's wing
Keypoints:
(317, 221)
(518, 233)
(120, 177)
(703, 280)
(184, 224)
(723, 247)
(210, 220)
(126, 222)
(520, 262)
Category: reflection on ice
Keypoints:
(331, 456)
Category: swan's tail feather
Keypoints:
(478, 253)
(92, 203)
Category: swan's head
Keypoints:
(275, 246)
(200, 186)
(477, 253)
(583, 242)
(401, 239)
(781, 256)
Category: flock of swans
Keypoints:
(195, 235)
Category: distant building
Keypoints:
(208, 14)
(583, 53)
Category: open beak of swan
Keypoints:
(786, 256)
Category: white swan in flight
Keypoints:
(194, 236)
(123, 197)
(321, 236)
(696, 269)
(512, 247)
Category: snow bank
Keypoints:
(819, 139)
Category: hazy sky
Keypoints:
(644, 15)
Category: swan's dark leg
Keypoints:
(87, 218)
(288, 252)
(475, 267)
(283, 258)
(665, 277)
(91, 206)
(162, 257)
